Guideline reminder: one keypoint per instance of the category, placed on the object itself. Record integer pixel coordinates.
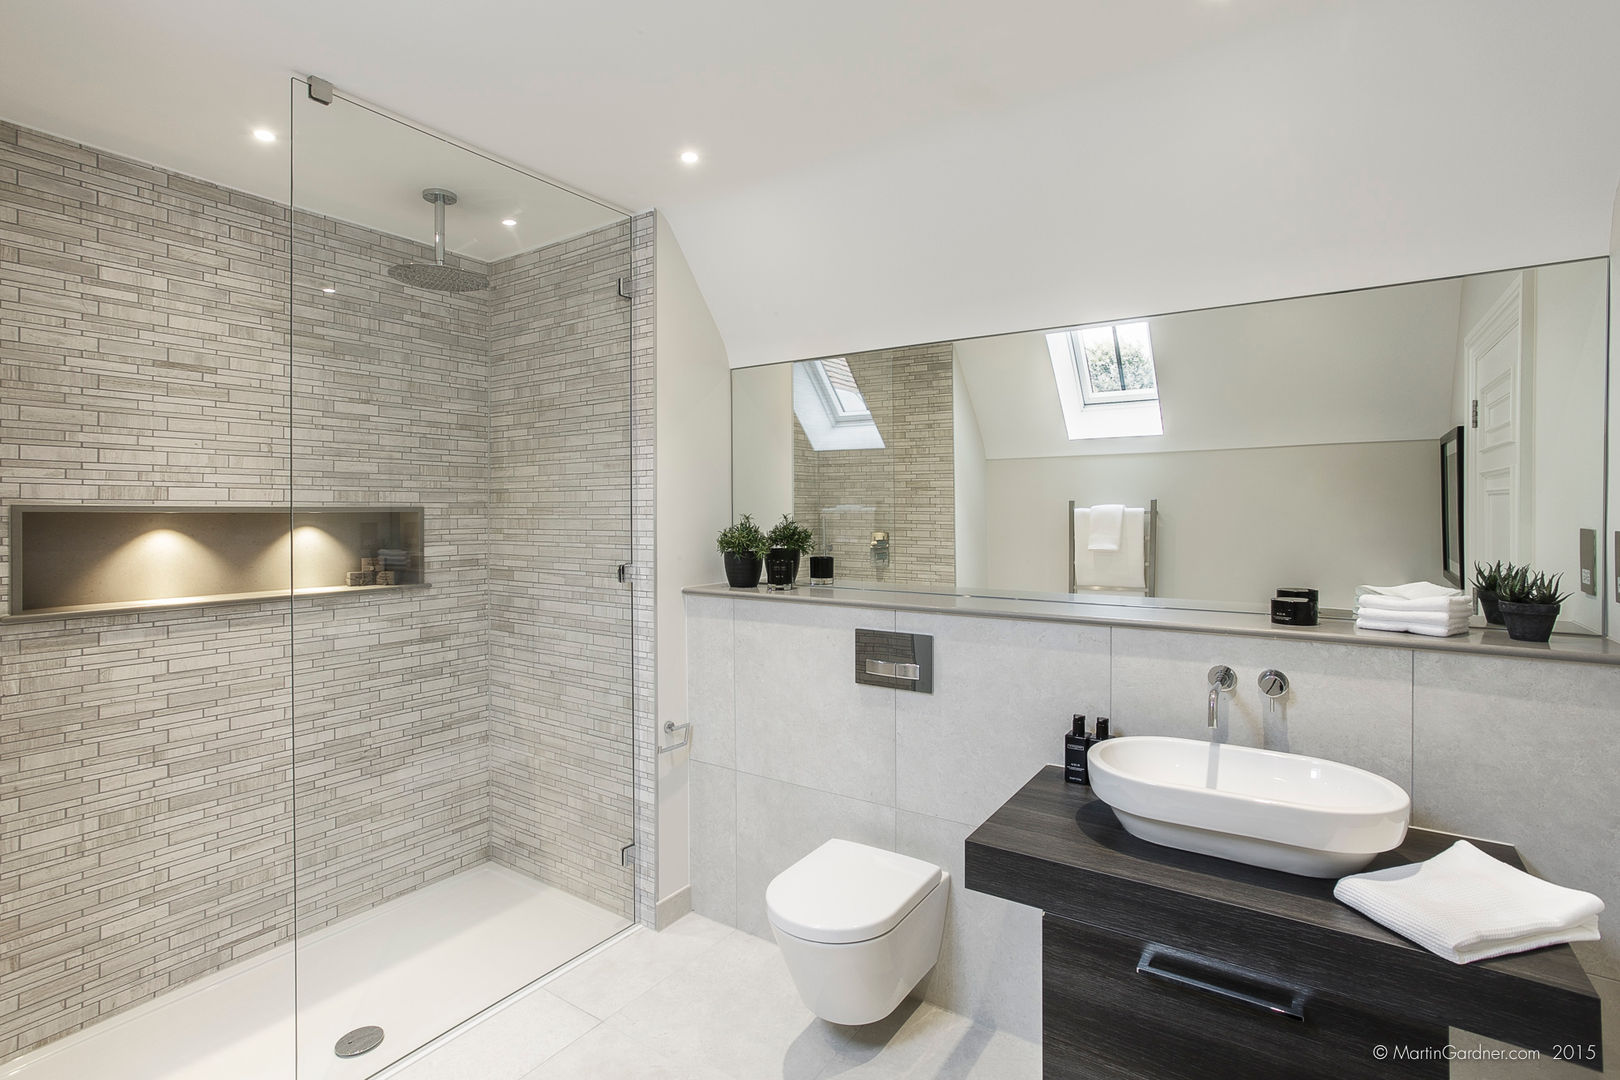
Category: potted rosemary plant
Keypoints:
(1487, 583)
(789, 540)
(1530, 604)
(743, 545)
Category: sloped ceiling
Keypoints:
(877, 174)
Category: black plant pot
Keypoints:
(1529, 622)
(742, 569)
(1487, 604)
(781, 567)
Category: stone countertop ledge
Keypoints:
(1486, 641)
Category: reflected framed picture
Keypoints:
(1451, 506)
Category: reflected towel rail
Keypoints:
(1150, 551)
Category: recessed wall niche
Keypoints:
(68, 559)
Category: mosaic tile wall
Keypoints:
(146, 760)
(907, 489)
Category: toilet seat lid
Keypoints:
(845, 892)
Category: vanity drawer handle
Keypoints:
(1231, 983)
(892, 670)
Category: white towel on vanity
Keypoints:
(1414, 590)
(1466, 906)
(1419, 607)
(1107, 525)
(1450, 628)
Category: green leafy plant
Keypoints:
(1490, 578)
(789, 534)
(742, 538)
(1521, 587)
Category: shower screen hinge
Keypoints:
(320, 90)
(624, 573)
(627, 854)
(624, 289)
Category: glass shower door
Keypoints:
(461, 646)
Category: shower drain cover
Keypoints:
(359, 1041)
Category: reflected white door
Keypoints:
(1498, 354)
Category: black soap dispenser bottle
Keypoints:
(1075, 745)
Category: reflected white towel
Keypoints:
(1466, 906)
(1414, 618)
(1107, 527)
(1122, 569)
(1415, 590)
(1438, 604)
(1447, 629)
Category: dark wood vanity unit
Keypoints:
(1165, 964)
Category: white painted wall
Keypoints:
(1234, 524)
(1571, 338)
(1569, 351)
(693, 503)
(762, 450)
(1361, 144)
(967, 459)
(1367, 366)
(1606, 543)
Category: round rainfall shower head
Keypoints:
(435, 275)
(438, 278)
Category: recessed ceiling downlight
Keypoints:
(509, 222)
(690, 157)
(264, 135)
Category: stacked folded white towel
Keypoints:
(1420, 607)
(1466, 906)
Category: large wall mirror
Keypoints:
(1371, 437)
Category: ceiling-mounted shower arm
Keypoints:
(440, 198)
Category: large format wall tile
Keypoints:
(801, 716)
(711, 687)
(990, 961)
(1346, 702)
(714, 842)
(779, 823)
(1004, 693)
(1523, 751)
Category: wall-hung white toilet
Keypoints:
(858, 926)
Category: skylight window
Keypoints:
(1115, 363)
(1106, 382)
(831, 408)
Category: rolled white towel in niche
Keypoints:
(1107, 527)
(1124, 569)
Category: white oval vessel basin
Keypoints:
(1302, 815)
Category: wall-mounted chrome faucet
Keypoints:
(1221, 678)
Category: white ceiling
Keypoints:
(881, 173)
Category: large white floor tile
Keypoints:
(610, 1052)
(635, 964)
(734, 1009)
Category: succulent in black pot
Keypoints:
(793, 538)
(1530, 604)
(743, 545)
(1487, 584)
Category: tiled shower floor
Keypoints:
(416, 966)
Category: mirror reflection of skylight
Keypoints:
(1106, 381)
(831, 408)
